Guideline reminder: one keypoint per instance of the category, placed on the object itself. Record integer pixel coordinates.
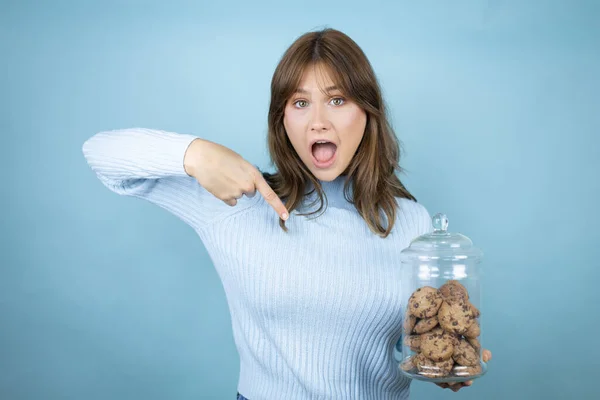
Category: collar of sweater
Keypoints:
(333, 195)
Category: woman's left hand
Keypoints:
(455, 387)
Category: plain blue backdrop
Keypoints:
(497, 104)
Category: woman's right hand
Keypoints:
(228, 176)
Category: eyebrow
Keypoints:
(327, 89)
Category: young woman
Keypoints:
(309, 264)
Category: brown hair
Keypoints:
(373, 167)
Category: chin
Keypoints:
(326, 175)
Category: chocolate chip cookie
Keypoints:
(409, 323)
(437, 345)
(425, 325)
(465, 354)
(453, 288)
(455, 316)
(474, 330)
(475, 343)
(425, 302)
(413, 342)
(434, 369)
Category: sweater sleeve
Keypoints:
(148, 164)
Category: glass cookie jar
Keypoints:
(441, 330)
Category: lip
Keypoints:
(312, 142)
(315, 161)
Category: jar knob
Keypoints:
(440, 222)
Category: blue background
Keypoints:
(497, 104)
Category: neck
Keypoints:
(333, 194)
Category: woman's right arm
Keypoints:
(149, 164)
(181, 173)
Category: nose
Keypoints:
(319, 121)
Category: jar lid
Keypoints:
(441, 244)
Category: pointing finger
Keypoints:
(270, 196)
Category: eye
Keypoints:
(338, 101)
(301, 103)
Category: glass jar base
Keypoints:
(458, 374)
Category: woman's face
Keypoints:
(325, 129)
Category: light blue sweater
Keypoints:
(316, 312)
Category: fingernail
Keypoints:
(284, 216)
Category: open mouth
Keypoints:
(323, 152)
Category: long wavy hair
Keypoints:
(374, 167)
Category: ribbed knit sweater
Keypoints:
(316, 311)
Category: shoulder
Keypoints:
(414, 215)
